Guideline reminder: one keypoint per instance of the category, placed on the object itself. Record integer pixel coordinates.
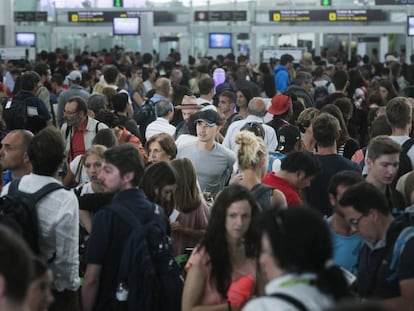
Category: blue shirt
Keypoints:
(345, 249)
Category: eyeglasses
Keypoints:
(71, 113)
(355, 222)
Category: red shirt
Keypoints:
(292, 196)
(77, 142)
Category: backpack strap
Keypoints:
(14, 186)
(260, 189)
(36, 196)
(97, 127)
(407, 145)
(399, 245)
(68, 130)
(125, 214)
(289, 299)
(128, 138)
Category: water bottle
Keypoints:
(121, 297)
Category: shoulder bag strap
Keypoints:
(293, 301)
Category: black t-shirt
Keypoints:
(317, 193)
(107, 239)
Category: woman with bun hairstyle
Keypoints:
(296, 258)
(253, 159)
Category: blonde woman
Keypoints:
(92, 162)
(253, 158)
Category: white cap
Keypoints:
(75, 75)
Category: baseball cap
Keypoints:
(280, 104)
(209, 117)
(75, 75)
(289, 135)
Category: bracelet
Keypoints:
(228, 305)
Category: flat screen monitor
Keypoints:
(25, 39)
(219, 40)
(410, 26)
(126, 26)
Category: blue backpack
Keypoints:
(148, 277)
(407, 232)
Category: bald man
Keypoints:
(256, 111)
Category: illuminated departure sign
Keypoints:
(30, 16)
(118, 4)
(393, 2)
(327, 16)
(220, 16)
(98, 16)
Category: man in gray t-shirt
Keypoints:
(213, 162)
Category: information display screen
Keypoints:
(25, 39)
(219, 40)
(126, 26)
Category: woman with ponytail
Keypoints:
(295, 257)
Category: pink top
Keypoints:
(197, 220)
(200, 259)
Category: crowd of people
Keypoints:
(284, 185)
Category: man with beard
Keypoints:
(79, 129)
(121, 174)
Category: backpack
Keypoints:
(15, 113)
(400, 235)
(405, 165)
(320, 93)
(145, 115)
(18, 211)
(148, 277)
(299, 94)
(263, 195)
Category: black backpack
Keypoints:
(17, 116)
(148, 277)
(405, 162)
(299, 94)
(263, 195)
(18, 211)
(320, 93)
(145, 115)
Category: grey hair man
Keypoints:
(165, 112)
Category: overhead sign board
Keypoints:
(273, 52)
(220, 16)
(327, 15)
(393, 2)
(30, 16)
(98, 16)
